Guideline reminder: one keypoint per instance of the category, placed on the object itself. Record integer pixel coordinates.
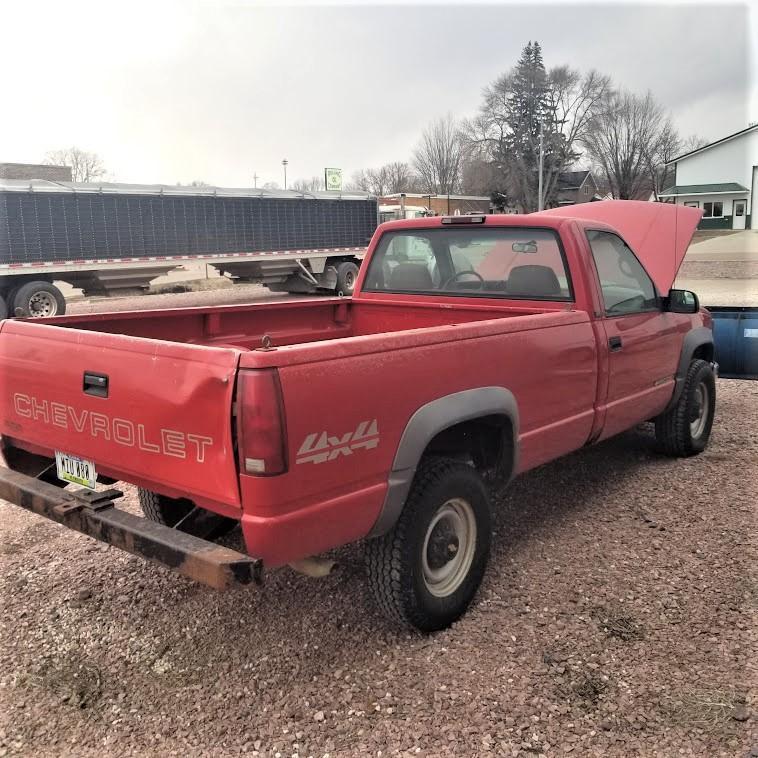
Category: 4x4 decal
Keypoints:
(320, 447)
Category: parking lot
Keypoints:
(617, 619)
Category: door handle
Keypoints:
(615, 344)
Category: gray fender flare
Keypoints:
(694, 339)
(428, 421)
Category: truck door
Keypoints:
(642, 341)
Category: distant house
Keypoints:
(721, 178)
(35, 171)
(575, 187)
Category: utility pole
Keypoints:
(255, 181)
(284, 163)
(542, 160)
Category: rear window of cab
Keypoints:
(521, 263)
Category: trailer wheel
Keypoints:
(427, 569)
(347, 273)
(38, 300)
(3, 308)
(685, 428)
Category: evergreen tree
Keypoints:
(528, 111)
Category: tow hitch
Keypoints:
(94, 514)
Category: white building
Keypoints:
(721, 178)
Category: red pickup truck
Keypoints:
(474, 348)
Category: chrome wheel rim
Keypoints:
(449, 547)
(700, 411)
(42, 305)
(349, 281)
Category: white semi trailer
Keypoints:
(115, 238)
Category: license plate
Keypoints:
(75, 470)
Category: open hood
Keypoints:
(659, 233)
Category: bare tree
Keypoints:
(400, 177)
(360, 181)
(314, 184)
(85, 166)
(438, 158)
(662, 151)
(626, 141)
(387, 179)
(271, 186)
(194, 183)
(693, 142)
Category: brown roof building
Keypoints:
(35, 171)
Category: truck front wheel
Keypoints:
(685, 428)
(427, 569)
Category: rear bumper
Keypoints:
(95, 514)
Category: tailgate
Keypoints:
(165, 424)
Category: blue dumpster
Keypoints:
(735, 338)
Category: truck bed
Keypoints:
(285, 324)
(168, 421)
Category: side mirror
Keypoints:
(681, 301)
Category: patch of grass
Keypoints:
(589, 687)
(710, 710)
(621, 626)
(72, 682)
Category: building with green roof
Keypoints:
(720, 178)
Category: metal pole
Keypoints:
(284, 163)
(542, 158)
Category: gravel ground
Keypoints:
(617, 618)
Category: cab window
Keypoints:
(625, 284)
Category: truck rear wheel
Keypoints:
(347, 273)
(3, 308)
(163, 510)
(427, 569)
(685, 428)
(170, 511)
(38, 300)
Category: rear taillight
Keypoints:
(260, 423)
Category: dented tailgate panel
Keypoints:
(161, 418)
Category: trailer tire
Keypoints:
(685, 428)
(426, 570)
(3, 308)
(347, 274)
(38, 300)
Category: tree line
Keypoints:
(580, 118)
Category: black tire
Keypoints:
(169, 512)
(163, 510)
(347, 273)
(3, 308)
(396, 562)
(676, 430)
(38, 300)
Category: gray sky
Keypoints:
(170, 92)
